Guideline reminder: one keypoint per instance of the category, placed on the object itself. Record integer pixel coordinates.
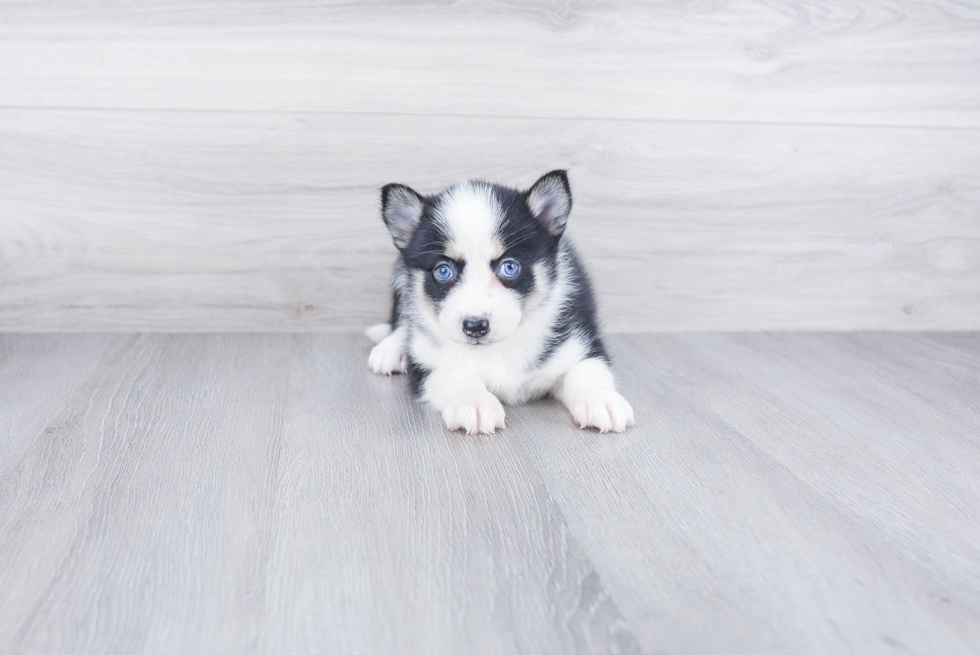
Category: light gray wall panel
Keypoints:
(174, 221)
(890, 62)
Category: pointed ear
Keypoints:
(401, 209)
(550, 200)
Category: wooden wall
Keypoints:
(214, 165)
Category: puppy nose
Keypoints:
(476, 327)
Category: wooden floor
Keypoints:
(783, 493)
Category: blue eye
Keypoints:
(509, 268)
(444, 272)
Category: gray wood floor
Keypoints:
(784, 493)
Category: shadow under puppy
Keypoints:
(492, 303)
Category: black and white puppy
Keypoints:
(491, 303)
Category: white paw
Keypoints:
(604, 409)
(474, 412)
(388, 356)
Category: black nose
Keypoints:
(476, 327)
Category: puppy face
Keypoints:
(479, 254)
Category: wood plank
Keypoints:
(214, 493)
(176, 221)
(859, 418)
(267, 493)
(891, 62)
(742, 516)
(45, 381)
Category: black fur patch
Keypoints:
(395, 319)
(524, 238)
(578, 315)
(416, 375)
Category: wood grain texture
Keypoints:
(861, 393)
(231, 494)
(766, 505)
(184, 221)
(221, 493)
(892, 62)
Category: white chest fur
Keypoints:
(508, 368)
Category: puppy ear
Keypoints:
(550, 200)
(401, 209)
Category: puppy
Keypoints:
(491, 304)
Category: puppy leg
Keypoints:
(378, 332)
(464, 402)
(589, 392)
(389, 355)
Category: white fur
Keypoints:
(378, 332)
(589, 392)
(468, 381)
(464, 401)
(504, 366)
(388, 356)
(470, 213)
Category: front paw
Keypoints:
(604, 409)
(474, 412)
(388, 357)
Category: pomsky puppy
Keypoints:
(491, 304)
